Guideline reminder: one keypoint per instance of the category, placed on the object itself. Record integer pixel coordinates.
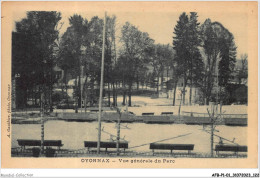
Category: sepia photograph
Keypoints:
(140, 85)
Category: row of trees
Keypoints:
(205, 55)
(199, 52)
(34, 55)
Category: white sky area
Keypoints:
(160, 26)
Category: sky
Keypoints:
(160, 26)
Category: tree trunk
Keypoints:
(42, 126)
(79, 89)
(76, 95)
(174, 93)
(109, 102)
(67, 98)
(208, 98)
(51, 87)
(190, 92)
(66, 86)
(116, 98)
(124, 89)
(124, 94)
(183, 90)
(35, 95)
(157, 90)
(51, 107)
(40, 98)
(114, 94)
(92, 92)
(25, 98)
(85, 87)
(179, 111)
(209, 88)
(161, 80)
(85, 100)
(45, 98)
(167, 83)
(129, 95)
(191, 80)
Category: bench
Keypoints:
(167, 113)
(148, 114)
(95, 110)
(106, 145)
(163, 146)
(233, 148)
(47, 143)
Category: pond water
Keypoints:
(73, 134)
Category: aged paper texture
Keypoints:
(159, 20)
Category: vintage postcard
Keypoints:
(129, 85)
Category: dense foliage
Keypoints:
(201, 56)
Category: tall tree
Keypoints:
(220, 51)
(66, 58)
(94, 55)
(181, 47)
(195, 60)
(38, 32)
(81, 52)
(135, 45)
(155, 62)
(111, 58)
(176, 76)
(160, 59)
(72, 51)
